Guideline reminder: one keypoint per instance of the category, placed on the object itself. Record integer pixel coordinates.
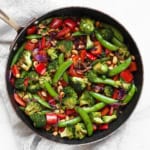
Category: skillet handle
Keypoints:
(9, 21)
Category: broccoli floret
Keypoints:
(92, 76)
(52, 65)
(89, 43)
(25, 62)
(39, 119)
(52, 52)
(33, 87)
(107, 34)
(78, 83)
(96, 117)
(108, 91)
(108, 119)
(68, 133)
(19, 84)
(32, 107)
(80, 131)
(123, 53)
(86, 99)
(33, 75)
(100, 68)
(24, 74)
(44, 78)
(70, 99)
(87, 25)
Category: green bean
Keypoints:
(33, 36)
(86, 119)
(50, 89)
(94, 108)
(62, 68)
(41, 101)
(103, 98)
(130, 94)
(17, 55)
(69, 122)
(117, 42)
(105, 43)
(117, 33)
(78, 33)
(120, 67)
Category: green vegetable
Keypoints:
(105, 43)
(33, 36)
(117, 42)
(108, 91)
(103, 98)
(33, 87)
(62, 68)
(78, 83)
(86, 120)
(53, 65)
(45, 78)
(25, 61)
(120, 67)
(107, 34)
(19, 84)
(33, 75)
(130, 94)
(87, 25)
(46, 21)
(68, 133)
(80, 131)
(100, 68)
(86, 99)
(32, 107)
(89, 43)
(78, 33)
(123, 53)
(70, 99)
(96, 117)
(17, 55)
(41, 101)
(52, 53)
(116, 32)
(108, 119)
(39, 120)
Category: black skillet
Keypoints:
(79, 12)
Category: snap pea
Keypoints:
(86, 119)
(50, 89)
(130, 94)
(33, 36)
(117, 33)
(105, 43)
(75, 120)
(117, 42)
(103, 98)
(17, 55)
(69, 122)
(120, 67)
(62, 68)
(41, 101)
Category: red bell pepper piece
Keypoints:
(43, 42)
(29, 46)
(73, 73)
(97, 48)
(70, 112)
(127, 76)
(133, 66)
(15, 71)
(56, 23)
(105, 111)
(26, 82)
(111, 110)
(31, 30)
(70, 23)
(40, 68)
(103, 127)
(63, 32)
(61, 116)
(19, 100)
(91, 56)
(83, 55)
(51, 118)
(63, 83)
(115, 94)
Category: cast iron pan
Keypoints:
(79, 12)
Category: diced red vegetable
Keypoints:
(91, 56)
(43, 42)
(70, 23)
(26, 82)
(52, 101)
(40, 68)
(61, 116)
(63, 32)
(111, 110)
(73, 73)
(29, 46)
(103, 127)
(51, 118)
(115, 94)
(19, 100)
(127, 76)
(133, 66)
(70, 112)
(15, 71)
(94, 127)
(56, 23)
(83, 55)
(105, 111)
(31, 30)
(97, 49)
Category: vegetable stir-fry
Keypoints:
(72, 75)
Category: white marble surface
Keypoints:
(135, 133)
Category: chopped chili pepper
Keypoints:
(43, 42)
(70, 112)
(63, 32)
(105, 111)
(133, 66)
(40, 68)
(111, 110)
(91, 56)
(26, 82)
(70, 23)
(56, 23)
(31, 30)
(97, 49)
(29, 46)
(103, 127)
(127, 76)
(115, 94)
(61, 116)
(83, 55)
(15, 71)
(73, 73)
(19, 100)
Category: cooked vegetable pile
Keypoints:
(72, 75)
